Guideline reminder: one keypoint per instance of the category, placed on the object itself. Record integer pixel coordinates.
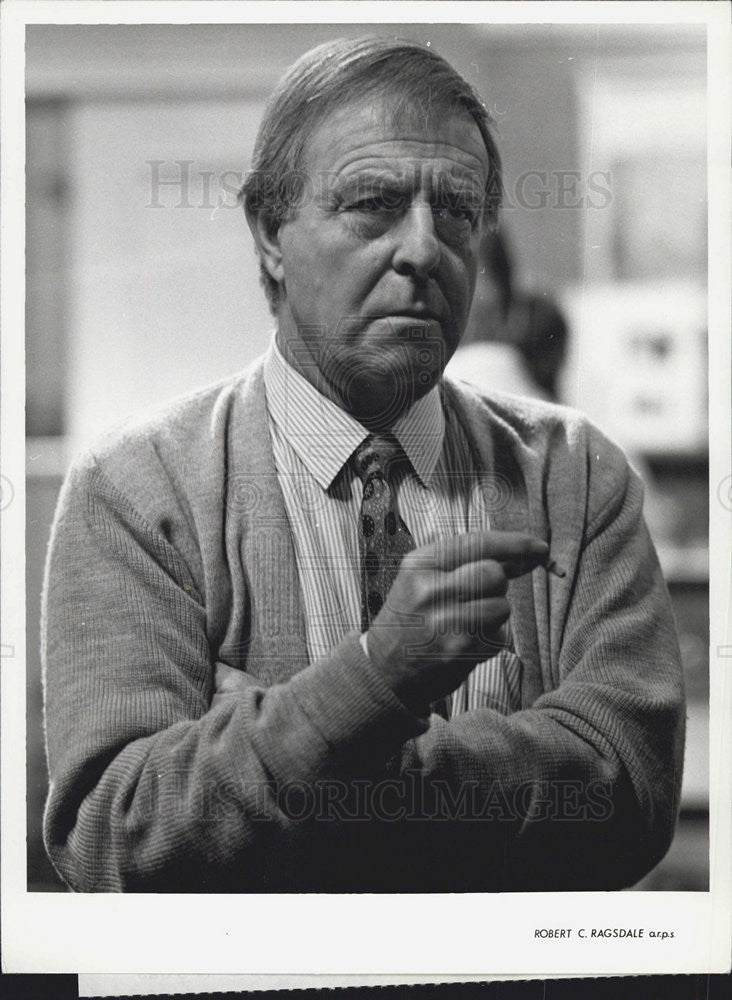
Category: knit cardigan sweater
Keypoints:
(171, 571)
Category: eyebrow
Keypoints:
(369, 180)
(466, 185)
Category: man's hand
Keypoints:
(444, 609)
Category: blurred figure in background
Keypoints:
(515, 341)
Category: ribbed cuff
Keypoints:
(351, 705)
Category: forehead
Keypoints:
(382, 133)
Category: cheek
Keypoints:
(330, 266)
(298, 259)
(460, 282)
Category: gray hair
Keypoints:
(329, 77)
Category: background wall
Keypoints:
(142, 283)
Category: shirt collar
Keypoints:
(324, 436)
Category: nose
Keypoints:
(417, 250)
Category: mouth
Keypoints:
(410, 316)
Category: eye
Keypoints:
(458, 212)
(455, 209)
(373, 204)
(385, 202)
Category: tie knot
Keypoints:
(376, 456)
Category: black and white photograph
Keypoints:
(368, 480)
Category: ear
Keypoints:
(265, 231)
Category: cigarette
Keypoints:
(551, 567)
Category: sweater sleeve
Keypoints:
(585, 783)
(151, 786)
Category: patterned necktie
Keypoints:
(383, 537)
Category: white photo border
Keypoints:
(420, 935)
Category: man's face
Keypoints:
(379, 259)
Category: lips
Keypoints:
(422, 316)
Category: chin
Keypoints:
(379, 398)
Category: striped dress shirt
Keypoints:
(440, 492)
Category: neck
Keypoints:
(369, 399)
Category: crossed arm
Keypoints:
(157, 783)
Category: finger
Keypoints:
(525, 563)
(489, 577)
(502, 546)
(474, 625)
(474, 581)
(483, 621)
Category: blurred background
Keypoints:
(142, 282)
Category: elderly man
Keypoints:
(303, 630)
